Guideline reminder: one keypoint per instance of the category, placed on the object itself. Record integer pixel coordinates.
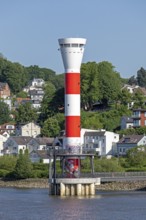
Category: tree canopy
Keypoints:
(4, 113)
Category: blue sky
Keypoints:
(115, 32)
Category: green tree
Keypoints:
(23, 168)
(22, 94)
(25, 113)
(90, 120)
(50, 127)
(136, 156)
(141, 77)
(4, 113)
(124, 97)
(132, 80)
(139, 100)
(109, 83)
(8, 162)
(37, 72)
(89, 85)
(14, 74)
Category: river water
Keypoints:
(37, 204)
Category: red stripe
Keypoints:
(72, 126)
(72, 83)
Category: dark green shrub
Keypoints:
(3, 172)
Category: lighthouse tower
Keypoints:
(72, 50)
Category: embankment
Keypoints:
(43, 183)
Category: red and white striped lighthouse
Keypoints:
(72, 50)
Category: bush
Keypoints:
(8, 162)
(3, 172)
(136, 169)
(40, 174)
(40, 166)
(107, 165)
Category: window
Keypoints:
(74, 45)
(95, 145)
(66, 45)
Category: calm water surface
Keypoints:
(37, 204)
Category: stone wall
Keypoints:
(43, 183)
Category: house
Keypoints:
(7, 127)
(129, 141)
(31, 129)
(130, 88)
(14, 144)
(61, 138)
(38, 155)
(41, 143)
(126, 122)
(139, 117)
(4, 90)
(36, 97)
(20, 101)
(3, 137)
(37, 82)
(102, 141)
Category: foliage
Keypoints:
(102, 165)
(37, 72)
(58, 81)
(130, 131)
(8, 162)
(136, 156)
(109, 83)
(23, 168)
(22, 94)
(124, 97)
(89, 85)
(14, 74)
(139, 100)
(3, 173)
(132, 80)
(106, 118)
(141, 77)
(25, 113)
(50, 128)
(108, 165)
(99, 82)
(90, 120)
(4, 112)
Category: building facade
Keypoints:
(103, 142)
(129, 141)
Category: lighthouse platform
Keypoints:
(65, 185)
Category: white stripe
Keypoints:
(72, 71)
(72, 105)
(72, 141)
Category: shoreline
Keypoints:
(43, 183)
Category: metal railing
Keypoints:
(113, 176)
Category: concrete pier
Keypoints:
(74, 187)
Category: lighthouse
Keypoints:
(72, 50)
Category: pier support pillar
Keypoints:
(79, 189)
(92, 189)
(62, 189)
(67, 190)
(87, 189)
(72, 190)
